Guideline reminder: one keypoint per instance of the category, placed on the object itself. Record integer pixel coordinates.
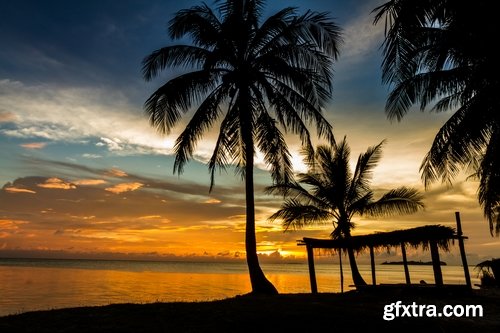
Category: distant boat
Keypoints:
(411, 262)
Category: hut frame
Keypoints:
(430, 237)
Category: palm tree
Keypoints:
(441, 53)
(238, 71)
(331, 193)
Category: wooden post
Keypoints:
(341, 272)
(372, 261)
(462, 250)
(312, 272)
(436, 263)
(405, 263)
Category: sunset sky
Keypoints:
(82, 173)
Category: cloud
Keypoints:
(361, 37)
(7, 117)
(117, 172)
(124, 187)
(89, 182)
(93, 156)
(18, 190)
(72, 114)
(34, 145)
(212, 201)
(56, 183)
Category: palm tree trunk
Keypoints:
(344, 224)
(357, 279)
(260, 284)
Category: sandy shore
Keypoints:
(352, 311)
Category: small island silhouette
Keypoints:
(412, 262)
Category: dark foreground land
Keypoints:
(356, 311)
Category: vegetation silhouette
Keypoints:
(238, 71)
(489, 272)
(441, 53)
(331, 193)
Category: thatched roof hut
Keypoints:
(416, 237)
(431, 237)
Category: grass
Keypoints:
(353, 311)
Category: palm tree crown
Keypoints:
(255, 80)
(441, 53)
(331, 193)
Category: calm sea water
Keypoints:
(39, 284)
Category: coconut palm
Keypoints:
(331, 193)
(255, 80)
(440, 53)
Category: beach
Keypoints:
(332, 312)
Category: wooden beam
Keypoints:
(405, 263)
(436, 263)
(341, 272)
(312, 271)
(372, 262)
(462, 250)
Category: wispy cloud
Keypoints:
(89, 182)
(212, 201)
(18, 190)
(117, 172)
(124, 187)
(361, 37)
(34, 145)
(92, 156)
(56, 183)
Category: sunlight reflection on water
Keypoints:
(47, 284)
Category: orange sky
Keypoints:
(82, 174)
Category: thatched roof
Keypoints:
(415, 237)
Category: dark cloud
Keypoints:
(79, 43)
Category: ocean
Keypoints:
(43, 284)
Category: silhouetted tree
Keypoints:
(441, 53)
(257, 80)
(331, 193)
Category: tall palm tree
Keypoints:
(441, 53)
(256, 80)
(331, 193)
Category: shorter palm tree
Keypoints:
(331, 193)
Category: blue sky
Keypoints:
(71, 121)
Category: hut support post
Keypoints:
(462, 250)
(405, 263)
(436, 263)
(372, 261)
(312, 272)
(341, 272)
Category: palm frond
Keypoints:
(166, 105)
(363, 171)
(319, 29)
(459, 140)
(198, 22)
(173, 56)
(272, 28)
(228, 146)
(271, 143)
(295, 215)
(402, 200)
(204, 117)
(489, 185)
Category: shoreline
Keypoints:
(250, 313)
